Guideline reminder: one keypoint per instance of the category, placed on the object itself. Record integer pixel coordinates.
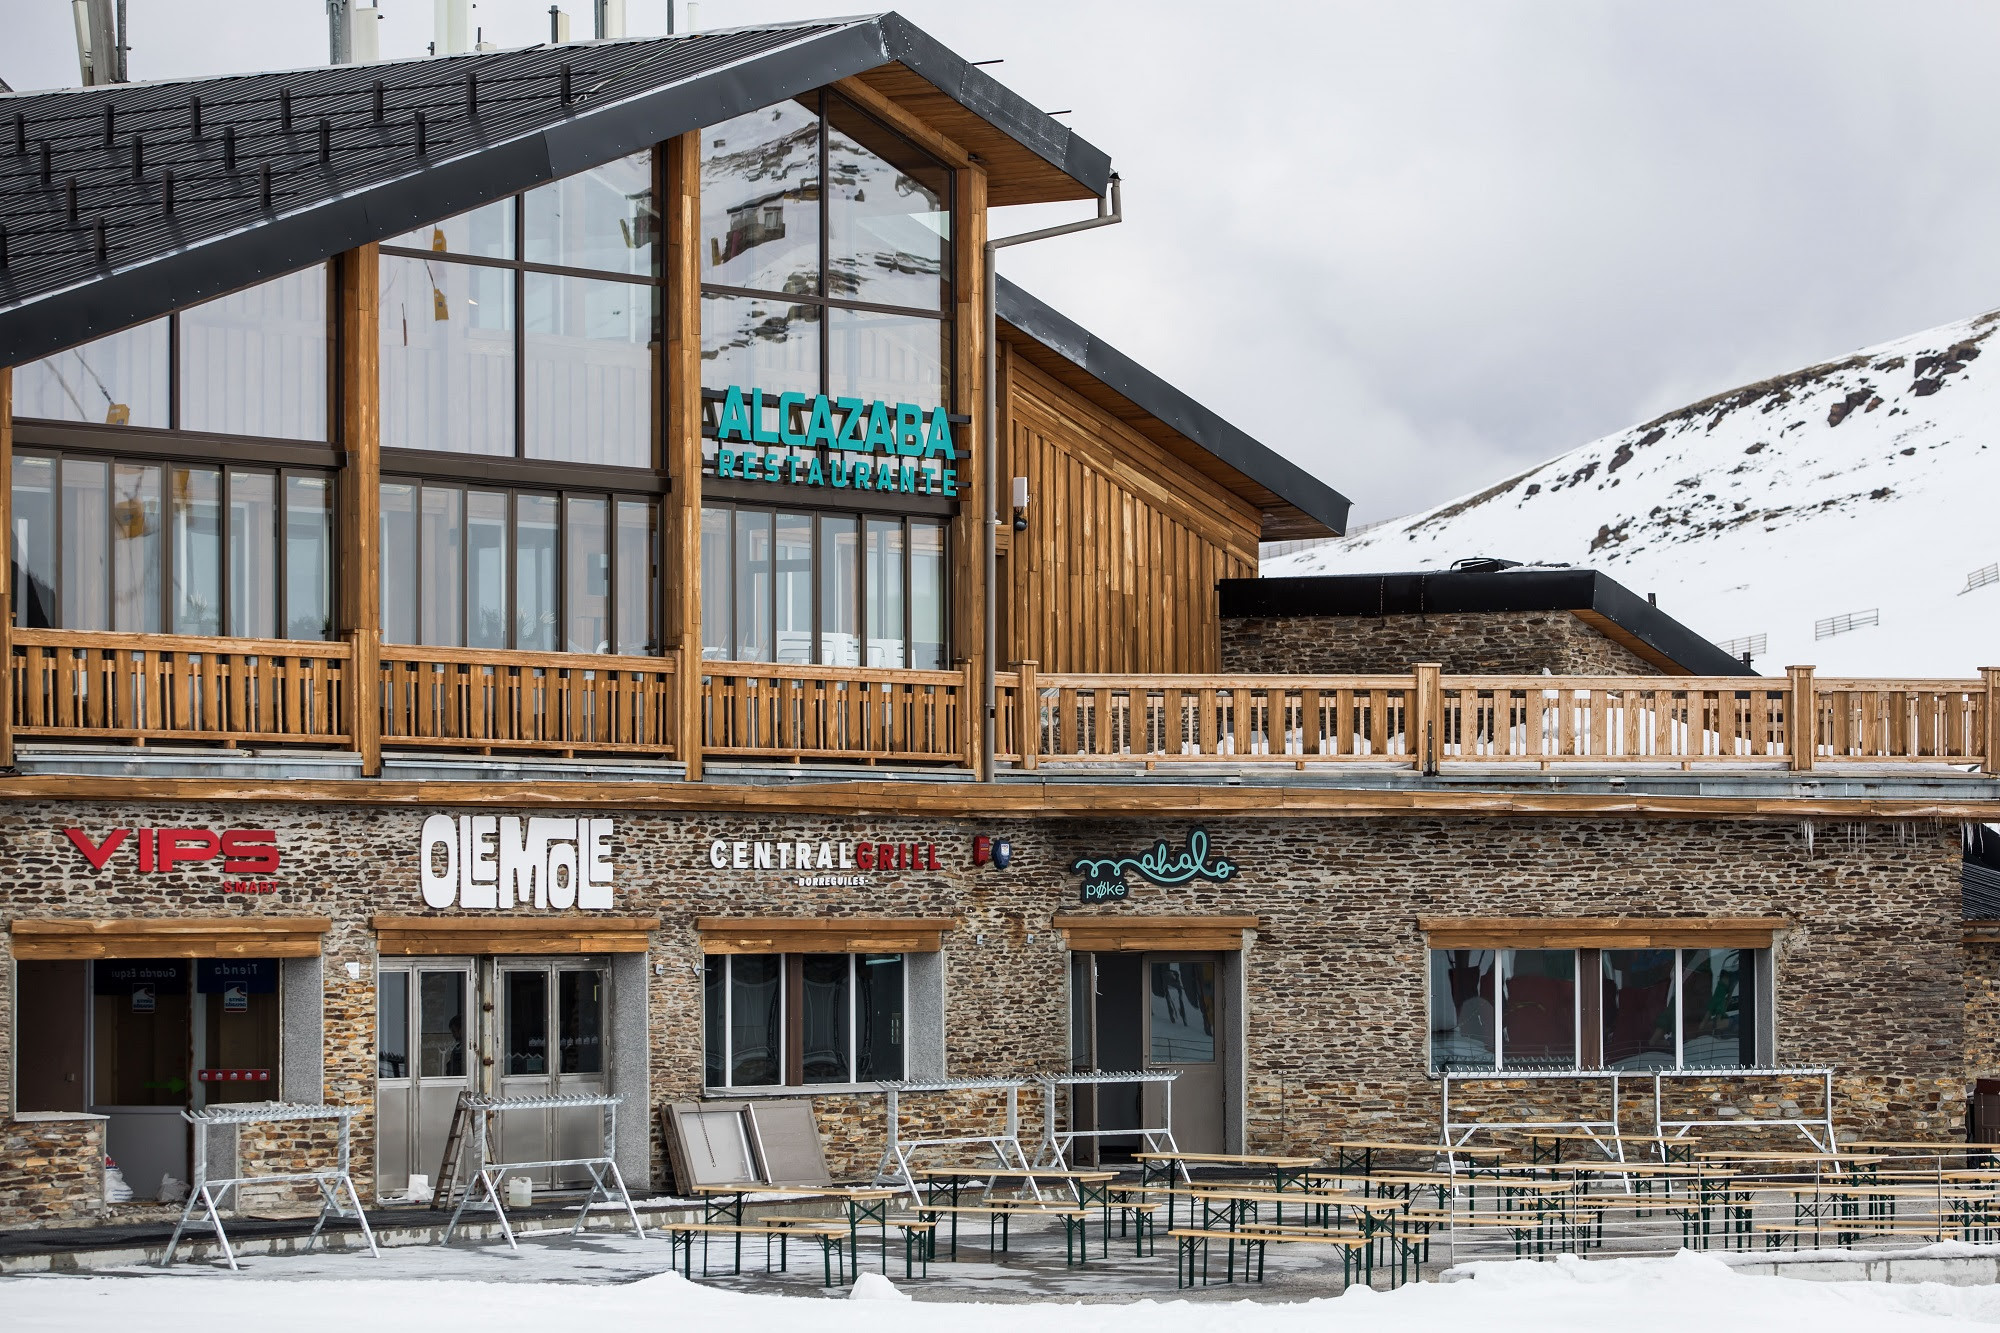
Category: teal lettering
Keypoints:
(814, 477)
(850, 425)
(925, 481)
(909, 481)
(819, 430)
(735, 423)
(879, 433)
(724, 460)
(750, 470)
(785, 431)
(950, 482)
(909, 430)
(864, 476)
(758, 435)
(839, 470)
(885, 477)
(937, 444)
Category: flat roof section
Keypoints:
(123, 202)
(1293, 502)
(1606, 605)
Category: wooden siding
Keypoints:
(1125, 543)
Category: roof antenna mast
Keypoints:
(100, 41)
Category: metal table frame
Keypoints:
(894, 1168)
(490, 1173)
(210, 1192)
(1056, 1144)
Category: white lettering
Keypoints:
(825, 861)
(481, 884)
(562, 872)
(739, 856)
(440, 887)
(595, 892)
(763, 856)
(784, 856)
(847, 856)
(718, 854)
(518, 869)
(545, 835)
(802, 856)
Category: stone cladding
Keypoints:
(1467, 643)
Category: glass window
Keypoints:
(487, 231)
(392, 1024)
(826, 1016)
(1539, 1008)
(535, 565)
(753, 586)
(399, 562)
(715, 1020)
(441, 996)
(587, 562)
(840, 590)
(135, 548)
(717, 587)
(759, 341)
(1638, 1008)
(599, 219)
(1182, 1017)
(253, 555)
(638, 541)
(255, 362)
(442, 567)
(927, 596)
(116, 380)
(580, 1022)
(86, 544)
(1714, 1033)
(34, 546)
(308, 557)
(195, 554)
(878, 983)
(486, 569)
(525, 995)
(888, 214)
(447, 356)
(589, 348)
(141, 1031)
(885, 592)
(793, 578)
(755, 1032)
(760, 193)
(1464, 1019)
(887, 358)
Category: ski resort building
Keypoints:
(560, 571)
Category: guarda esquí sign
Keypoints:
(1105, 878)
(869, 446)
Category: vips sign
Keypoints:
(161, 851)
(508, 861)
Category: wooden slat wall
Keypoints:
(1124, 546)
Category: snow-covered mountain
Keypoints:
(1865, 487)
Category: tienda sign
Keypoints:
(159, 851)
(508, 861)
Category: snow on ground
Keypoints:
(1863, 485)
(1687, 1292)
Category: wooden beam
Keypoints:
(912, 127)
(169, 937)
(859, 934)
(680, 196)
(1612, 932)
(1153, 934)
(358, 564)
(958, 801)
(968, 531)
(6, 567)
(444, 936)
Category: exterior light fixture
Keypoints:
(1020, 504)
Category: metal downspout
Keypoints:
(1109, 211)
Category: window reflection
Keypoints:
(1182, 1017)
(602, 219)
(840, 590)
(253, 555)
(255, 362)
(487, 231)
(441, 561)
(135, 548)
(792, 627)
(447, 356)
(718, 586)
(399, 562)
(1638, 1008)
(86, 544)
(761, 341)
(308, 557)
(535, 564)
(589, 347)
(755, 1049)
(826, 1012)
(1716, 1027)
(587, 566)
(753, 586)
(888, 214)
(760, 198)
(33, 549)
(116, 380)
(927, 595)
(195, 550)
(892, 358)
(1464, 1021)
(1539, 1008)
(885, 592)
(486, 569)
(638, 540)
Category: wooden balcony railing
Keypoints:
(561, 703)
(163, 687)
(838, 714)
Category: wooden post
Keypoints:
(6, 567)
(968, 530)
(1426, 715)
(359, 564)
(968, 712)
(1991, 675)
(681, 371)
(1028, 716)
(1801, 719)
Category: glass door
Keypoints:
(423, 1062)
(1183, 1032)
(552, 1043)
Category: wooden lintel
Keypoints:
(39, 938)
(1154, 934)
(1611, 932)
(433, 936)
(857, 934)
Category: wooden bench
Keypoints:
(912, 1255)
(1835, 1228)
(1000, 1214)
(1194, 1241)
(831, 1235)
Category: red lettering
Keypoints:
(200, 844)
(249, 851)
(147, 839)
(864, 855)
(97, 855)
(932, 863)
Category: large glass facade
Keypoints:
(791, 1020)
(529, 327)
(494, 567)
(141, 546)
(796, 586)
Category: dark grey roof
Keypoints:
(271, 172)
(1142, 387)
(1441, 592)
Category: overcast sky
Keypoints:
(1416, 246)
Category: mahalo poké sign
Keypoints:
(1109, 877)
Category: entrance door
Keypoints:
(1184, 1031)
(424, 1040)
(1132, 1011)
(552, 1037)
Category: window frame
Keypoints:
(225, 467)
(791, 1024)
(612, 496)
(520, 267)
(1757, 976)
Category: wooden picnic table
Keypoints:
(1090, 1189)
(723, 1203)
(1360, 1153)
(1159, 1167)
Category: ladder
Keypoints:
(462, 1117)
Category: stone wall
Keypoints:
(1467, 643)
(1870, 978)
(51, 1169)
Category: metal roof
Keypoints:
(1286, 480)
(120, 203)
(1584, 592)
